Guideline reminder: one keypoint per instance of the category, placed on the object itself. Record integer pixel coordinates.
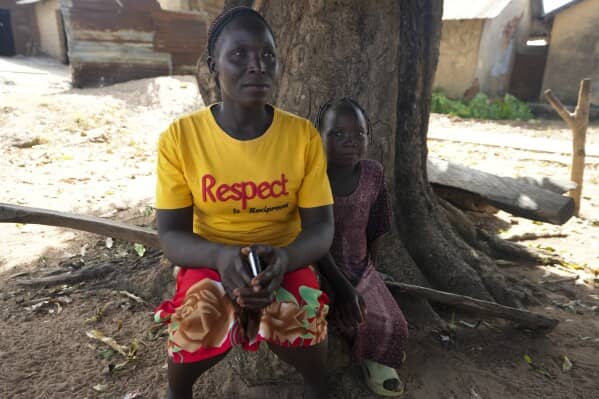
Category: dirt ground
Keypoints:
(92, 151)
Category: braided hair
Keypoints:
(221, 21)
(342, 102)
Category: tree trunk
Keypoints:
(385, 57)
(424, 229)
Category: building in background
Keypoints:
(109, 41)
(514, 46)
(573, 49)
(479, 41)
(18, 29)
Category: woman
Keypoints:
(237, 176)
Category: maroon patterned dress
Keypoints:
(360, 218)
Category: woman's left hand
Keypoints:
(260, 293)
(277, 263)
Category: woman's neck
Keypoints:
(243, 123)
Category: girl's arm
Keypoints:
(329, 269)
(349, 307)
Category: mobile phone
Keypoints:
(254, 263)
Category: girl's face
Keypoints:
(245, 62)
(345, 136)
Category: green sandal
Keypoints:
(378, 375)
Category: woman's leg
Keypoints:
(199, 318)
(182, 376)
(310, 361)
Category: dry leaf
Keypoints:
(100, 387)
(567, 364)
(528, 359)
(140, 249)
(99, 313)
(97, 335)
(133, 296)
(83, 250)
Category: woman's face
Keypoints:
(345, 136)
(245, 62)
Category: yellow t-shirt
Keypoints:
(242, 192)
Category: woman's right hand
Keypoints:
(234, 270)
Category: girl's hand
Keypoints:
(349, 308)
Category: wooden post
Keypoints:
(578, 121)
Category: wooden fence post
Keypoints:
(578, 121)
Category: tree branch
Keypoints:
(525, 318)
(560, 108)
(22, 214)
(583, 107)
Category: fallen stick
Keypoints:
(534, 236)
(524, 318)
(20, 214)
(561, 280)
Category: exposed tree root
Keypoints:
(491, 244)
(92, 272)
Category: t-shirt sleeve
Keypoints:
(315, 189)
(379, 219)
(172, 190)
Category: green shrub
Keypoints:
(481, 107)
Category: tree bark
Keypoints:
(385, 56)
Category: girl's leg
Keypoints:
(182, 376)
(310, 361)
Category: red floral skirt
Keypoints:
(204, 322)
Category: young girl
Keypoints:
(362, 215)
(237, 176)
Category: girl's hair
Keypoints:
(227, 16)
(341, 102)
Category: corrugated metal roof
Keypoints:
(563, 7)
(23, 2)
(469, 9)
